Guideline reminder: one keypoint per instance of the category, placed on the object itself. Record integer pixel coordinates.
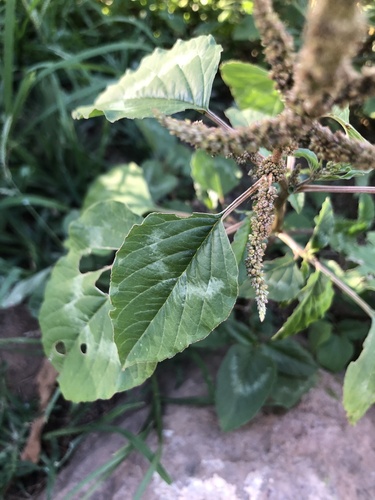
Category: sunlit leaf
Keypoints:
(169, 81)
(124, 183)
(173, 281)
(251, 87)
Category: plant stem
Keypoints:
(243, 197)
(313, 188)
(216, 119)
(301, 252)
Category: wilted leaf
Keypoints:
(169, 81)
(173, 281)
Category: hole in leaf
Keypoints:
(103, 281)
(83, 348)
(60, 347)
(96, 261)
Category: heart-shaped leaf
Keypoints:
(173, 281)
(169, 81)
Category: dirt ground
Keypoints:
(309, 453)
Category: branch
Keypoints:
(298, 250)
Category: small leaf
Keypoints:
(283, 278)
(251, 87)
(213, 177)
(244, 382)
(335, 171)
(366, 210)
(341, 116)
(124, 183)
(169, 81)
(297, 200)
(359, 382)
(173, 281)
(324, 227)
(309, 156)
(316, 299)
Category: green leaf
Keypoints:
(251, 87)
(244, 382)
(359, 382)
(244, 117)
(77, 333)
(309, 156)
(366, 210)
(24, 288)
(335, 353)
(124, 183)
(319, 332)
(290, 358)
(101, 226)
(169, 81)
(283, 278)
(341, 116)
(173, 281)
(213, 177)
(297, 200)
(335, 171)
(287, 391)
(241, 239)
(316, 298)
(324, 227)
(246, 30)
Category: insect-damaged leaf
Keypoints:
(173, 281)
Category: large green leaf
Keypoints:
(283, 278)
(316, 298)
(173, 281)
(251, 87)
(77, 332)
(123, 183)
(169, 81)
(244, 381)
(290, 358)
(359, 383)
